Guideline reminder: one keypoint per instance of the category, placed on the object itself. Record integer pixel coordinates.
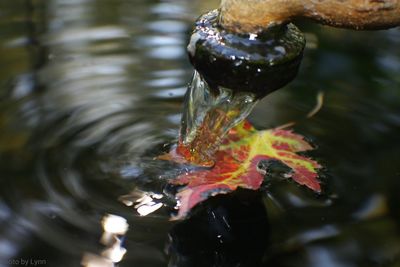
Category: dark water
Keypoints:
(91, 90)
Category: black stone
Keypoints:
(258, 63)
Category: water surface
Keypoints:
(90, 91)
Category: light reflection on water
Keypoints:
(91, 90)
(114, 228)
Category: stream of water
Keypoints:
(91, 91)
(207, 117)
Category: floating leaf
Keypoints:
(236, 165)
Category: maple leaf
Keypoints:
(236, 165)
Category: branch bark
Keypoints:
(251, 16)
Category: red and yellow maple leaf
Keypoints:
(236, 165)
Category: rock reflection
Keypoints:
(227, 230)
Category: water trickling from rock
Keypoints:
(208, 115)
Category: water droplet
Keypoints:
(238, 63)
(192, 44)
(280, 49)
(252, 36)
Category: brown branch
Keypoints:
(252, 16)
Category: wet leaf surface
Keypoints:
(237, 165)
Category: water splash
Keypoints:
(208, 115)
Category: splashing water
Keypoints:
(208, 115)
